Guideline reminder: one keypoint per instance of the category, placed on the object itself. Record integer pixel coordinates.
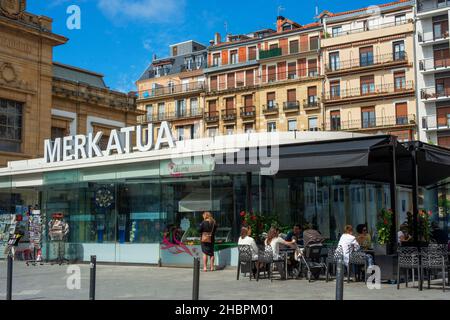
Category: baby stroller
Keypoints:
(311, 262)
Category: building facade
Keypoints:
(172, 89)
(268, 80)
(368, 57)
(40, 99)
(433, 74)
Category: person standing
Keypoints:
(207, 231)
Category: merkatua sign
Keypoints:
(120, 141)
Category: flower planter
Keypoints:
(381, 249)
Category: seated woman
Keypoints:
(274, 240)
(403, 235)
(245, 239)
(349, 244)
(363, 237)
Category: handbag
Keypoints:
(207, 236)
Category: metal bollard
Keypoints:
(9, 278)
(93, 266)
(340, 279)
(196, 284)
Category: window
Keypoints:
(174, 51)
(334, 61)
(400, 19)
(366, 56)
(212, 106)
(441, 58)
(229, 130)
(216, 59)
(273, 46)
(312, 124)
(292, 70)
(335, 120)
(335, 89)
(180, 108)
(213, 83)
(440, 27)
(287, 27)
(443, 87)
(312, 67)
(367, 85)
(194, 107)
(249, 78)
(180, 133)
(58, 133)
(368, 117)
(292, 125)
(314, 43)
(401, 113)
(189, 63)
(248, 127)
(252, 53)
(293, 46)
(292, 95)
(270, 100)
(212, 132)
(234, 57)
(230, 80)
(229, 105)
(312, 96)
(399, 80)
(399, 50)
(272, 73)
(149, 110)
(248, 103)
(271, 127)
(443, 114)
(199, 62)
(336, 31)
(161, 110)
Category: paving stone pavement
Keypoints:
(115, 282)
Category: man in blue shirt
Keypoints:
(296, 233)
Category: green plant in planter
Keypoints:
(258, 223)
(424, 226)
(384, 226)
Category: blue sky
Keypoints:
(118, 37)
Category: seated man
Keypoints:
(297, 234)
(312, 236)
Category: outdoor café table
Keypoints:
(286, 252)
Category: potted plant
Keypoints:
(384, 231)
(259, 224)
(424, 226)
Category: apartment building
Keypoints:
(267, 80)
(171, 89)
(433, 76)
(368, 61)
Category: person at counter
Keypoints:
(297, 234)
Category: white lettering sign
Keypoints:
(120, 142)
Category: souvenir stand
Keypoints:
(58, 230)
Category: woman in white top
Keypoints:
(274, 240)
(348, 243)
(245, 239)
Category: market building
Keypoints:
(368, 57)
(433, 77)
(42, 99)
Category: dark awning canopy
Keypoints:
(366, 158)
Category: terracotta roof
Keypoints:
(330, 14)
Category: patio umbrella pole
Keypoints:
(415, 191)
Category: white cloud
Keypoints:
(156, 11)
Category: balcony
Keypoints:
(428, 66)
(312, 104)
(431, 38)
(377, 61)
(430, 95)
(433, 6)
(170, 116)
(229, 115)
(271, 108)
(365, 29)
(372, 92)
(432, 123)
(372, 124)
(248, 112)
(211, 116)
(267, 54)
(291, 106)
(173, 90)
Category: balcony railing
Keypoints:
(433, 123)
(211, 116)
(432, 93)
(424, 6)
(271, 53)
(370, 90)
(248, 112)
(367, 28)
(432, 64)
(311, 104)
(291, 105)
(372, 123)
(367, 62)
(430, 37)
(229, 114)
(270, 108)
(175, 89)
(174, 115)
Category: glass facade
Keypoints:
(149, 212)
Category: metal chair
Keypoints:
(245, 258)
(357, 258)
(408, 258)
(435, 257)
(330, 261)
(265, 257)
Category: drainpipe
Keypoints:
(416, 71)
